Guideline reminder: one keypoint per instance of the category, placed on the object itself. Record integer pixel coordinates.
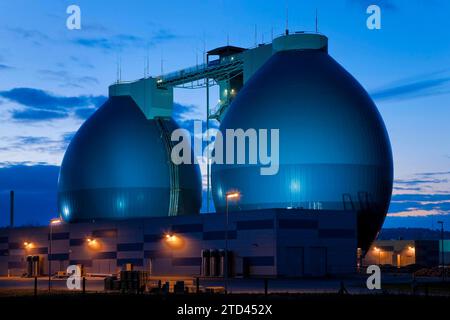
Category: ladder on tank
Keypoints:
(173, 168)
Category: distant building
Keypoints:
(401, 253)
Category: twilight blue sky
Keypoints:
(52, 79)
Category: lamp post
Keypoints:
(229, 195)
(54, 221)
(442, 249)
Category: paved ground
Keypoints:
(287, 299)
(92, 284)
(355, 285)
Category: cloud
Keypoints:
(419, 86)
(407, 189)
(94, 27)
(96, 43)
(37, 115)
(419, 181)
(420, 198)
(81, 62)
(68, 79)
(33, 139)
(37, 98)
(114, 42)
(163, 35)
(97, 101)
(28, 33)
(121, 41)
(182, 112)
(35, 36)
(38, 144)
(397, 206)
(186, 115)
(434, 182)
(434, 173)
(418, 213)
(67, 137)
(5, 67)
(84, 113)
(38, 105)
(5, 164)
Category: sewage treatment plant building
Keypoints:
(123, 201)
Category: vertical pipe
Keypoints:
(11, 208)
(207, 138)
(50, 257)
(226, 246)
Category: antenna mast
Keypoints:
(317, 25)
(287, 19)
(119, 69)
(146, 64)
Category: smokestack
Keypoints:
(11, 207)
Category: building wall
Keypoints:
(326, 243)
(391, 252)
(427, 252)
(402, 253)
(263, 243)
(445, 248)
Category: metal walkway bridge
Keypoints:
(203, 74)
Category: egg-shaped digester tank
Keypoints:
(118, 166)
(334, 150)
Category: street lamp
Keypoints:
(92, 243)
(54, 221)
(231, 195)
(442, 249)
(28, 245)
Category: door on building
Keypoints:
(96, 266)
(317, 261)
(103, 266)
(294, 261)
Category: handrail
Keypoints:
(210, 70)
